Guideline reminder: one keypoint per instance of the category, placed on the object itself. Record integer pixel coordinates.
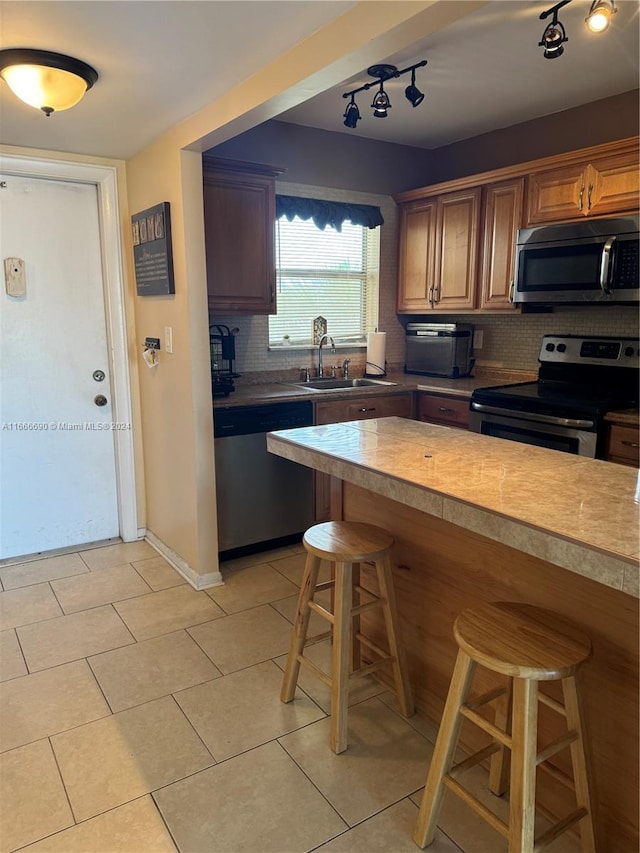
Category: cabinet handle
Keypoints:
(366, 410)
(630, 443)
(436, 297)
(589, 196)
(512, 288)
(431, 296)
(444, 409)
(581, 197)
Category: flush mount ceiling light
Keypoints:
(47, 81)
(599, 16)
(381, 103)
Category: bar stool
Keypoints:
(529, 645)
(346, 545)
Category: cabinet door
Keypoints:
(239, 216)
(416, 258)
(557, 195)
(502, 218)
(457, 268)
(440, 409)
(362, 408)
(613, 184)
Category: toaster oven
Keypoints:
(439, 349)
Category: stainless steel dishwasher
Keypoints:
(261, 497)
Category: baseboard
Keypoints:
(197, 581)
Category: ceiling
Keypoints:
(160, 62)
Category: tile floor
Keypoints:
(140, 716)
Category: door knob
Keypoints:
(100, 400)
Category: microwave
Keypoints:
(595, 261)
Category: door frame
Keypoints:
(105, 179)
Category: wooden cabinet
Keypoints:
(623, 445)
(442, 409)
(502, 216)
(358, 409)
(600, 187)
(417, 256)
(239, 219)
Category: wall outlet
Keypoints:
(478, 339)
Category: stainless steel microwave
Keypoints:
(595, 261)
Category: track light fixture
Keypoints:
(554, 35)
(599, 16)
(47, 81)
(381, 103)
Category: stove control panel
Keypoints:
(583, 349)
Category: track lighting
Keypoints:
(554, 35)
(599, 16)
(381, 103)
(47, 81)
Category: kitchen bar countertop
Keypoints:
(576, 513)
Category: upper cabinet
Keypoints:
(600, 187)
(239, 221)
(457, 239)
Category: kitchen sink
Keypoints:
(341, 384)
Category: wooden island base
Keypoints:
(440, 569)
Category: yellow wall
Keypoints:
(177, 422)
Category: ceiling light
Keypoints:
(599, 16)
(381, 103)
(47, 81)
(412, 93)
(554, 35)
(351, 114)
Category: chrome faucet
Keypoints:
(333, 349)
(345, 368)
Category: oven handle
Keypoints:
(605, 264)
(533, 416)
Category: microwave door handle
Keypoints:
(605, 265)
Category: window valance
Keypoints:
(332, 213)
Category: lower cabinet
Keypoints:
(623, 445)
(441, 409)
(355, 409)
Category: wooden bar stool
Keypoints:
(528, 645)
(346, 545)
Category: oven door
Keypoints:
(578, 437)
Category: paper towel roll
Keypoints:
(376, 348)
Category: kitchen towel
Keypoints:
(376, 349)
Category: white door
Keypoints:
(57, 460)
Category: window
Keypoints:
(328, 273)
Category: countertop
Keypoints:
(577, 513)
(624, 417)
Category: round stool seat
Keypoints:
(347, 541)
(522, 641)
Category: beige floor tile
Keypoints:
(96, 588)
(151, 669)
(116, 555)
(33, 803)
(258, 801)
(114, 760)
(28, 604)
(320, 653)
(289, 606)
(292, 567)
(166, 611)
(249, 587)
(49, 702)
(158, 573)
(389, 831)
(386, 760)
(243, 710)
(419, 721)
(254, 559)
(12, 663)
(39, 571)
(243, 639)
(68, 638)
(135, 827)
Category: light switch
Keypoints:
(15, 277)
(168, 339)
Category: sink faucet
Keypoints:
(333, 349)
(345, 368)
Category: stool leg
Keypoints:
(523, 766)
(300, 627)
(444, 750)
(501, 760)
(341, 655)
(356, 649)
(579, 761)
(400, 670)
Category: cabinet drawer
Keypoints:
(623, 445)
(396, 405)
(450, 411)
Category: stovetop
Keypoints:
(557, 397)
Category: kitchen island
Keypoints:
(479, 519)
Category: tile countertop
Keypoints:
(577, 513)
(251, 394)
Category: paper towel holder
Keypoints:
(375, 375)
